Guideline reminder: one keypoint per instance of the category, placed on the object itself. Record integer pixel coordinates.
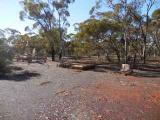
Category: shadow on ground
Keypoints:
(16, 68)
(149, 70)
(109, 67)
(140, 71)
(20, 76)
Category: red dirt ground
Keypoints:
(48, 92)
(133, 99)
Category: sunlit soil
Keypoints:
(55, 93)
(118, 98)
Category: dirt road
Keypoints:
(47, 92)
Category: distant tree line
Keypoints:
(127, 29)
(124, 30)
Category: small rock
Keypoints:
(122, 83)
(47, 118)
(99, 117)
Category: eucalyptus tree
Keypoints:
(61, 6)
(2, 35)
(21, 44)
(43, 12)
(12, 34)
(132, 15)
(144, 22)
(118, 15)
(101, 35)
(92, 31)
(55, 37)
(155, 29)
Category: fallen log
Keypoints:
(83, 66)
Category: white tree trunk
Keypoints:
(125, 67)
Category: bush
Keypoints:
(5, 56)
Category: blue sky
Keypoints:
(9, 14)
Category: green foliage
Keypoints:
(44, 13)
(5, 56)
(123, 30)
(156, 14)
